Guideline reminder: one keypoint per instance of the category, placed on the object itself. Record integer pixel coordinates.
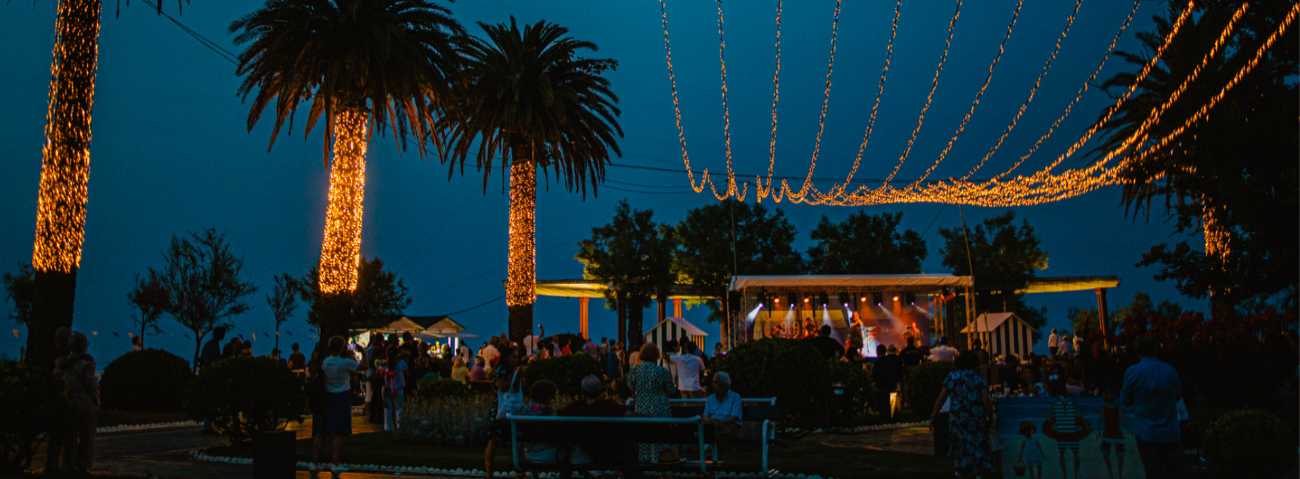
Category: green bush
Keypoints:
(566, 372)
(924, 384)
(243, 396)
(851, 407)
(150, 380)
(32, 401)
(454, 421)
(442, 367)
(1249, 443)
(441, 388)
(790, 370)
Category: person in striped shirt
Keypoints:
(1066, 418)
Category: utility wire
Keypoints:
(936, 218)
(435, 232)
(211, 45)
(480, 305)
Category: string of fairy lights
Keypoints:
(65, 158)
(1042, 186)
(521, 266)
(341, 249)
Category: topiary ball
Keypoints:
(1249, 443)
(790, 370)
(441, 388)
(243, 396)
(566, 372)
(150, 380)
(32, 402)
(924, 384)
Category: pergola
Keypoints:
(927, 289)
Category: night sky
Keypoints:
(171, 152)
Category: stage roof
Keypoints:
(892, 282)
(1070, 283)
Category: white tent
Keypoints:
(675, 329)
(1003, 333)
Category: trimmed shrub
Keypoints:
(150, 380)
(243, 396)
(454, 421)
(924, 384)
(790, 370)
(32, 401)
(1249, 443)
(566, 372)
(441, 388)
(851, 407)
(442, 367)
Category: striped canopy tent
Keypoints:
(675, 329)
(1003, 333)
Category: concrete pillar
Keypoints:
(1102, 318)
(582, 316)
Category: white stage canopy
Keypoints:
(836, 282)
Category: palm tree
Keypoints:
(366, 66)
(528, 99)
(65, 170)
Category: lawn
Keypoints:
(109, 417)
(794, 456)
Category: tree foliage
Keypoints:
(380, 294)
(1086, 319)
(150, 297)
(865, 244)
(394, 60)
(634, 254)
(1234, 171)
(764, 245)
(1004, 257)
(20, 288)
(201, 278)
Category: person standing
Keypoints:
(970, 416)
(137, 343)
(83, 394)
(211, 354)
(1078, 343)
(886, 373)
(54, 445)
(1053, 343)
(530, 341)
(338, 369)
(651, 385)
(394, 374)
(829, 348)
(944, 352)
(1152, 390)
(689, 369)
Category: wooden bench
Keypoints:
(611, 434)
(753, 409)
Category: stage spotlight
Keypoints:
(823, 299)
(910, 298)
(864, 299)
(844, 299)
(762, 297)
(879, 298)
(895, 298)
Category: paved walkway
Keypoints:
(165, 453)
(915, 440)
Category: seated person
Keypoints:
(722, 409)
(592, 405)
(542, 393)
(477, 373)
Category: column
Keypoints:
(1102, 316)
(582, 316)
(677, 307)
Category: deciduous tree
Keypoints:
(204, 289)
(865, 244)
(1004, 258)
(634, 255)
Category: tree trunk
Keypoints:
(341, 248)
(198, 348)
(51, 310)
(521, 276)
(65, 171)
(635, 313)
(621, 299)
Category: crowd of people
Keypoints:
(71, 444)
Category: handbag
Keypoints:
(1020, 468)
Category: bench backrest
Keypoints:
(584, 430)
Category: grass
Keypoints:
(109, 417)
(797, 457)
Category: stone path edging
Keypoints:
(199, 455)
(138, 427)
(878, 427)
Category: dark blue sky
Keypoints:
(171, 153)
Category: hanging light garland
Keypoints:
(826, 100)
(341, 249)
(875, 105)
(761, 190)
(65, 157)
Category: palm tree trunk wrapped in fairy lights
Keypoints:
(366, 66)
(65, 171)
(521, 273)
(341, 248)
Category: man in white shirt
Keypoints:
(943, 352)
(1053, 343)
(530, 341)
(490, 353)
(689, 369)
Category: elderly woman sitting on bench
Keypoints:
(722, 409)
